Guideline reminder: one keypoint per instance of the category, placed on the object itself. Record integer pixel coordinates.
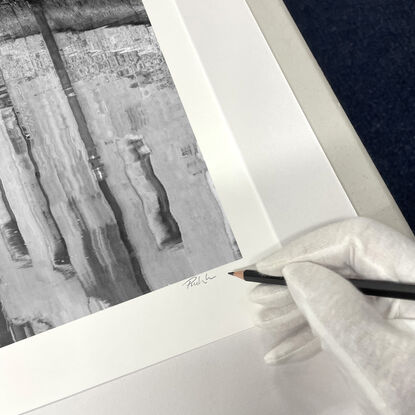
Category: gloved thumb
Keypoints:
(375, 356)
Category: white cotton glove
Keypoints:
(372, 339)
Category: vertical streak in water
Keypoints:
(6, 336)
(8, 228)
(159, 216)
(104, 287)
(21, 142)
(61, 255)
(46, 32)
(10, 231)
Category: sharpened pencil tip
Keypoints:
(237, 274)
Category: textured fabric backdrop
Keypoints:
(366, 49)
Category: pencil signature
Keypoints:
(198, 280)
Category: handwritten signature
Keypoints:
(198, 280)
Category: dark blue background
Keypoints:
(366, 49)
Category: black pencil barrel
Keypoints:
(380, 288)
(377, 288)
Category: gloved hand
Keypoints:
(372, 339)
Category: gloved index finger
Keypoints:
(356, 246)
(271, 295)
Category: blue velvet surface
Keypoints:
(366, 50)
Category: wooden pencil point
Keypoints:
(238, 274)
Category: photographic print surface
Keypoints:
(104, 194)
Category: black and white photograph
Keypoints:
(105, 195)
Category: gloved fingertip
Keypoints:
(301, 352)
(267, 294)
(271, 360)
(283, 319)
(265, 290)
